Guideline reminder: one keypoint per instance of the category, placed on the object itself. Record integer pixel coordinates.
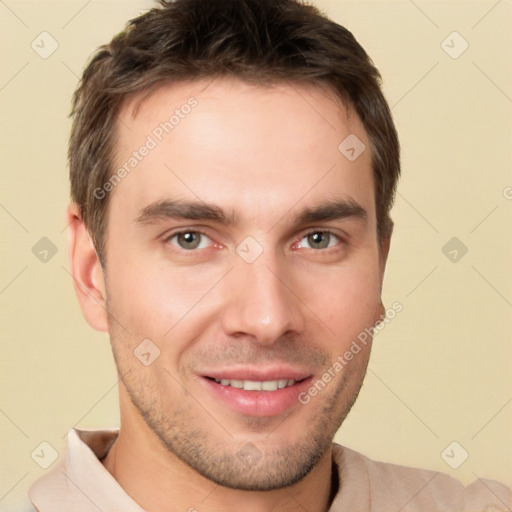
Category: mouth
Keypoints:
(257, 393)
(256, 385)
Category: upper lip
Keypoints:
(255, 373)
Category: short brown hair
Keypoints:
(261, 41)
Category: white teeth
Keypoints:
(252, 385)
(256, 385)
(269, 385)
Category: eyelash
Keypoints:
(297, 240)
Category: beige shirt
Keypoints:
(80, 483)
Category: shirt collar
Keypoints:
(79, 481)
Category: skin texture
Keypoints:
(263, 154)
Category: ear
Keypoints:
(384, 246)
(86, 270)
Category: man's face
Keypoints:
(244, 246)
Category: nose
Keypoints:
(260, 302)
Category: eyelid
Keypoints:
(185, 229)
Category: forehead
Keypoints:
(247, 146)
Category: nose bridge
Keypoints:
(259, 302)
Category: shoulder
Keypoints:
(387, 486)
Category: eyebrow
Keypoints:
(332, 210)
(338, 209)
(167, 209)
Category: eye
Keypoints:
(319, 240)
(189, 240)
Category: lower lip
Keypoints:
(258, 403)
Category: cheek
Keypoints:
(347, 303)
(152, 298)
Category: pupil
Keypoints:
(319, 239)
(190, 240)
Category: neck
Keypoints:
(158, 481)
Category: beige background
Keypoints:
(440, 371)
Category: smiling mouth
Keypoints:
(256, 385)
(256, 392)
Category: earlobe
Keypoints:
(384, 246)
(85, 267)
(383, 257)
(381, 312)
